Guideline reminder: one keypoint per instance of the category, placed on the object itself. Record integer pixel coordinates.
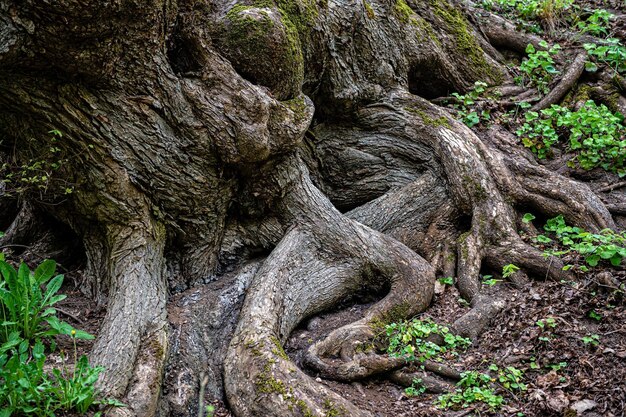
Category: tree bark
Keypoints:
(239, 168)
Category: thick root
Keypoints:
(132, 342)
(325, 259)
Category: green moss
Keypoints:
(304, 408)
(248, 37)
(156, 348)
(439, 121)
(403, 11)
(457, 25)
(245, 27)
(369, 11)
(254, 347)
(396, 313)
(612, 101)
(278, 349)
(478, 191)
(461, 241)
(297, 106)
(267, 384)
(331, 411)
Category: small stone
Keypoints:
(583, 405)
(318, 379)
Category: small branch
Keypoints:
(567, 82)
(612, 187)
(68, 314)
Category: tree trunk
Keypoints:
(239, 168)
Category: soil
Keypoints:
(562, 372)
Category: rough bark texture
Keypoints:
(239, 168)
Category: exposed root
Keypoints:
(332, 256)
(132, 342)
(566, 83)
(406, 378)
(502, 33)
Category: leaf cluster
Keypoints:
(28, 322)
(409, 339)
(593, 131)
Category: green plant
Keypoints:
(446, 281)
(38, 173)
(539, 68)
(592, 339)
(557, 366)
(210, 410)
(533, 363)
(593, 131)
(595, 315)
(548, 12)
(548, 323)
(510, 377)
(473, 388)
(417, 388)
(509, 270)
(410, 340)
(466, 107)
(594, 247)
(611, 53)
(26, 302)
(27, 319)
(27, 389)
(597, 23)
(489, 280)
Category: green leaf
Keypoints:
(45, 271)
(528, 218)
(616, 260)
(51, 289)
(592, 260)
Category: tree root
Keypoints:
(331, 255)
(132, 343)
(568, 80)
(405, 378)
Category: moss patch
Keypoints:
(430, 121)
(396, 313)
(278, 349)
(464, 39)
(369, 11)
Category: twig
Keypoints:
(203, 383)
(612, 187)
(68, 314)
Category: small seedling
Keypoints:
(508, 270)
(417, 388)
(546, 323)
(593, 340)
(595, 315)
(446, 280)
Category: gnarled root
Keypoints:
(321, 261)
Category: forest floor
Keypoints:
(568, 338)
